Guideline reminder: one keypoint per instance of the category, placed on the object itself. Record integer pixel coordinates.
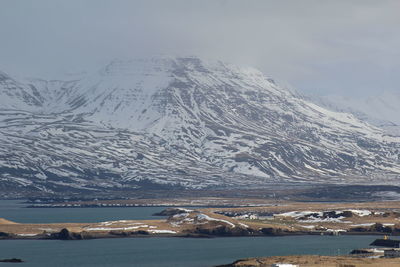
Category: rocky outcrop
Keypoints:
(65, 234)
(4, 235)
(375, 228)
(13, 260)
(129, 234)
(222, 230)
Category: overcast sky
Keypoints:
(324, 47)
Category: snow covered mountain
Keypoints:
(380, 110)
(182, 122)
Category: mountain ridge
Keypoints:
(182, 122)
(380, 110)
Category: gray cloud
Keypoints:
(346, 47)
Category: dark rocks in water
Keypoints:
(4, 235)
(65, 234)
(223, 230)
(196, 235)
(361, 251)
(140, 232)
(235, 264)
(272, 231)
(13, 260)
(119, 233)
(218, 231)
(390, 243)
(127, 234)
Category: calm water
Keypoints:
(174, 252)
(14, 210)
(146, 252)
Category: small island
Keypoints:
(269, 219)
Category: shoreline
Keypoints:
(65, 234)
(267, 219)
(128, 235)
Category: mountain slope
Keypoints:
(183, 122)
(381, 110)
(15, 95)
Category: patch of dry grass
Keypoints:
(313, 261)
